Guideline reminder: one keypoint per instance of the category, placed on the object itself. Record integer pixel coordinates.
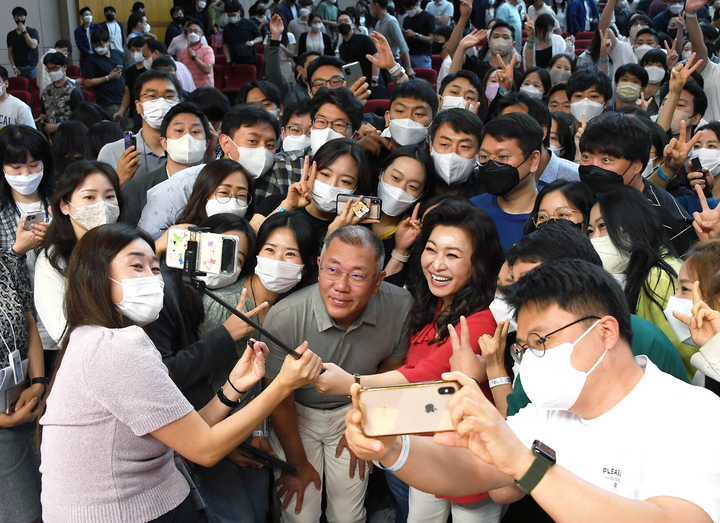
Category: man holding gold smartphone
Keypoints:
(598, 443)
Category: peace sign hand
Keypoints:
(530, 27)
(707, 222)
(505, 74)
(704, 323)
(407, 231)
(680, 73)
(677, 151)
(300, 193)
(642, 104)
(672, 55)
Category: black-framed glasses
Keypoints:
(224, 196)
(356, 279)
(338, 126)
(334, 82)
(54, 69)
(536, 342)
(170, 97)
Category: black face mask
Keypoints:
(437, 47)
(177, 19)
(344, 29)
(598, 178)
(500, 179)
(110, 17)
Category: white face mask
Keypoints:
(325, 196)
(56, 76)
(557, 151)
(455, 102)
(641, 50)
(137, 57)
(679, 117)
(213, 207)
(23, 184)
(559, 75)
(304, 12)
(532, 92)
(155, 110)
(101, 50)
(142, 299)
(395, 201)
(686, 55)
(500, 46)
(317, 27)
(278, 276)
(655, 74)
(407, 132)
(202, 5)
(100, 213)
(147, 64)
(87, 19)
(634, 30)
(586, 107)
(194, 38)
(613, 259)
(502, 311)
(649, 170)
(186, 149)
(675, 8)
(622, 5)
(296, 143)
(550, 381)
(146, 28)
(319, 137)
(218, 281)
(683, 306)
(709, 158)
(256, 160)
(452, 167)
(234, 19)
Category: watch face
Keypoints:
(540, 448)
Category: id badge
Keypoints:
(16, 364)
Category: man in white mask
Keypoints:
(623, 49)
(263, 95)
(157, 91)
(685, 102)
(296, 126)
(589, 92)
(183, 136)
(457, 89)
(574, 343)
(104, 71)
(131, 75)
(43, 79)
(61, 97)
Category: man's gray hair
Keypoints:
(359, 236)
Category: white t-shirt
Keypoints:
(660, 440)
(711, 75)
(115, 36)
(14, 111)
(623, 52)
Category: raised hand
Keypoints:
(475, 38)
(407, 231)
(299, 194)
(704, 323)
(672, 55)
(677, 151)
(385, 59)
(642, 104)
(606, 44)
(505, 74)
(464, 358)
(579, 133)
(530, 27)
(680, 73)
(236, 327)
(250, 368)
(707, 222)
(465, 9)
(276, 27)
(492, 348)
(693, 6)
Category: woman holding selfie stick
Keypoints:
(111, 389)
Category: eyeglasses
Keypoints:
(499, 160)
(355, 279)
(339, 126)
(536, 343)
(295, 130)
(334, 82)
(224, 196)
(170, 97)
(54, 69)
(563, 213)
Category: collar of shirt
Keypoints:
(325, 322)
(145, 149)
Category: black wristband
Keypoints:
(233, 387)
(225, 401)
(42, 380)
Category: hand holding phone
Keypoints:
(32, 218)
(353, 73)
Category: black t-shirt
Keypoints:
(22, 54)
(542, 58)
(131, 74)
(97, 66)
(355, 49)
(171, 32)
(235, 36)
(422, 23)
(481, 67)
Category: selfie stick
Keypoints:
(190, 278)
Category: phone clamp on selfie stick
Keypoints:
(190, 278)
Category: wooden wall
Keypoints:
(157, 12)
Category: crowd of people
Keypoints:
(520, 198)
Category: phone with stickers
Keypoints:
(217, 253)
(368, 208)
(407, 408)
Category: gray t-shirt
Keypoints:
(381, 332)
(390, 29)
(149, 161)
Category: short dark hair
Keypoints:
(542, 73)
(585, 78)
(553, 242)
(382, 3)
(247, 116)
(163, 62)
(137, 6)
(185, 108)
(271, 92)
(648, 31)
(499, 24)
(344, 99)
(641, 17)
(156, 74)
(84, 9)
(55, 59)
(297, 109)
(109, 8)
(636, 70)
(4, 74)
(619, 135)
(195, 21)
(174, 9)
(536, 109)
(134, 19)
(419, 153)
(330, 151)
(322, 61)
(417, 89)
(300, 60)
(211, 101)
(233, 7)
(468, 75)
(156, 45)
(520, 127)
(576, 286)
(63, 44)
(559, 56)
(19, 11)
(100, 35)
(578, 194)
(138, 41)
(460, 121)
(564, 134)
(700, 101)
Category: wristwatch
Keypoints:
(193, 57)
(544, 459)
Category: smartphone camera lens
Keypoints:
(446, 390)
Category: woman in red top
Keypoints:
(453, 272)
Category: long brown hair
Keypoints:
(703, 265)
(206, 183)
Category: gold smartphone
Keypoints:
(408, 408)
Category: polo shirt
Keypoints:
(22, 54)
(96, 66)
(381, 332)
(389, 27)
(235, 36)
(442, 8)
(149, 161)
(558, 169)
(204, 53)
(298, 26)
(510, 227)
(355, 49)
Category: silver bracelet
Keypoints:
(499, 381)
(403, 456)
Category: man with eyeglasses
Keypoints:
(296, 124)
(358, 322)
(155, 92)
(59, 99)
(598, 442)
(43, 79)
(508, 159)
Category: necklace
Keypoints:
(252, 291)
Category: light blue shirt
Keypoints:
(558, 169)
(509, 13)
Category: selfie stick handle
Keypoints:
(190, 279)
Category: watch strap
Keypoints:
(543, 461)
(224, 399)
(42, 380)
